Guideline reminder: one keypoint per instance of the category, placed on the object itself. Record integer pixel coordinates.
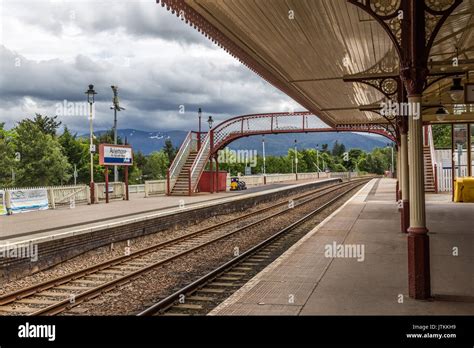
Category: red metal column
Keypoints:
(127, 197)
(404, 192)
(106, 184)
(217, 174)
(211, 175)
(92, 191)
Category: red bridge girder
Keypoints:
(284, 123)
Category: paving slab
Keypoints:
(377, 283)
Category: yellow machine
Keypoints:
(464, 190)
(234, 186)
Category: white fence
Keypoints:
(68, 196)
(155, 187)
(256, 180)
(116, 191)
(445, 178)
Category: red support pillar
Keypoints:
(127, 197)
(217, 174)
(92, 191)
(106, 184)
(211, 176)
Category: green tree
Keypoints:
(108, 138)
(7, 157)
(76, 153)
(170, 150)
(46, 124)
(355, 155)
(156, 166)
(42, 162)
(338, 150)
(442, 136)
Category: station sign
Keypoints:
(115, 155)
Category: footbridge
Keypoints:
(198, 148)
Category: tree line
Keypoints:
(336, 159)
(33, 153)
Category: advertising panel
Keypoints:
(3, 207)
(23, 201)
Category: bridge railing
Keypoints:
(189, 145)
(199, 163)
(295, 122)
(264, 124)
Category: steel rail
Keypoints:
(95, 291)
(169, 301)
(33, 289)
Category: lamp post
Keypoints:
(199, 134)
(264, 158)
(210, 121)
(392, 164)
(91, 99)
(116, 107)
(296, 159)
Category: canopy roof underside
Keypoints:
(307, 56)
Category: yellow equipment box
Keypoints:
(468, 190)
(458, 188)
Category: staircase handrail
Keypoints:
(180, 159)
(433, 156)
(203, 153)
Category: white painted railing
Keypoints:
(136, 188)
(189, 145)
(200, 163)
(258, 180)
(445, 178)
(116, 191)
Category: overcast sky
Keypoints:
(51, 50)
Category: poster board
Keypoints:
(23, 201)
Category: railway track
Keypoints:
(205, 293)
(57, 295)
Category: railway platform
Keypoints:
(59, 235)
(355, 263)
(50, 223)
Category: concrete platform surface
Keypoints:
(63, 222)
(371, 277)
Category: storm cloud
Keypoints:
(51, 50)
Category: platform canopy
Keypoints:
(306, 48)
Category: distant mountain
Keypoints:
(276, 145)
